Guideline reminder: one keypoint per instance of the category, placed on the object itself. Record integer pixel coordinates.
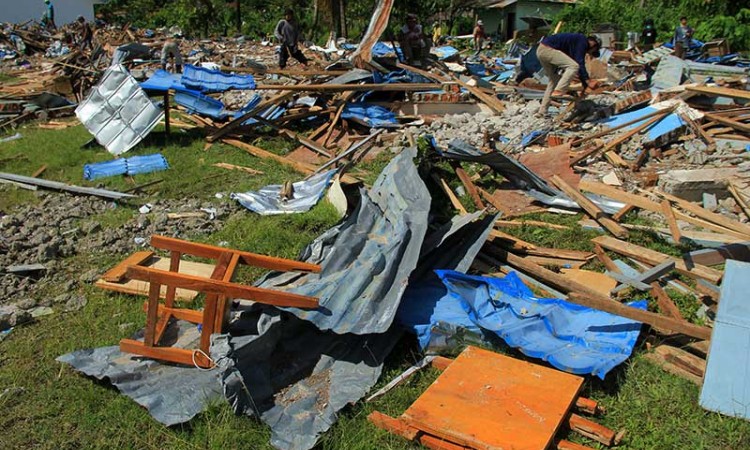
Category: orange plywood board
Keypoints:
(485, 400)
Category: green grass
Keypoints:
(61, 409)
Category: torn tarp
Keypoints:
(207, 80)
(571, 337)
(366, 261)
(267, 201)
(118, 112)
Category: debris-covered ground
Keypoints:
(418, 211)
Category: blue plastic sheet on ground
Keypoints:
(197, 103)
(374, 116)
(125, 166)
(444, 52)
(479, 70)
(529, 138)
(162, 81)
(661, 129)
(206, 80)
(571, 337)
(383, 50)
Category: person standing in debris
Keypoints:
(48, 18)
(566, 52)
(479, 36)
(648, 36)
(87, 35)
(287, 32)
(411, 40)
(172, 49)
(683, 35)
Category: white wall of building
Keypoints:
(66, 11)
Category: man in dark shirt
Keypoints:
(48, 19)
(86, 34)
(288, 35)
(648, 37)
(566, 52)
(683, 35)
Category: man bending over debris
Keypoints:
(172, 49)
(287, 32)
(411, 40)
(566, 52)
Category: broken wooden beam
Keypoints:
(589, 206)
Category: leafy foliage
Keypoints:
(711, 19)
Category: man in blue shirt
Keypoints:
(566, 52)
(48, 19)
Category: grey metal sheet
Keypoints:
(118, 112)
(726, 383)
(366, 261)
(267, 200)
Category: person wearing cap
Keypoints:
(479, 36)
(171, 49)
(683, 35)
(86, 34)
(411, 40)
(287, 32)
(48, 18)
(566, 52)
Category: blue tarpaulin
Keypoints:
(197, 103)
(122, 166)
(206, 80)
(373, 116)
(659, 130)
(444, 52)
(383, 50)
(571, 337)
(162, 81)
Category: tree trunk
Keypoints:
(342, 15)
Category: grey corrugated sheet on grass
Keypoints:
(366, 261)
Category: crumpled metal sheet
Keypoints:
(267, 201)
(163, 81)
(374, 116)
(571, 337)
(197, 103)
(366, 261)
(300, 401)
(172, 394)
(207, 80)
(118, 112)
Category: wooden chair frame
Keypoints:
(218, 289)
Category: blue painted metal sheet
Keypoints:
(726, 384)
(206, 80)
(162, 81)
(203, 105)
(659, 130)
(571, 337)
(374, 116)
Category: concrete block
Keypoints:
(692, 184)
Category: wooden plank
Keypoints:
(468, 184)
(720, 92)
(490, 100)
(605, 259)
(597, 281)
(652, 257)
(678, 362)
(743, 127)
(591, 430)
(117, 273)
(589, 406)
(666, 208)
(707, 215)
(509, 242)
(214, 252)
(624, 211)
(240, 168)
(649, 205)
(267, 296)
(589, 206)
(735, 191)
(188, 315)
(39, 171)
(306, 142)
(171, 354)
(533, 223)
(236, 123)
(666, 305)
(394, 426)
(582, 295)
(381, 87)
(138, 287)
(719, 255)
(451, 195)
(222, 305)
(562, 444)
(304, 168)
